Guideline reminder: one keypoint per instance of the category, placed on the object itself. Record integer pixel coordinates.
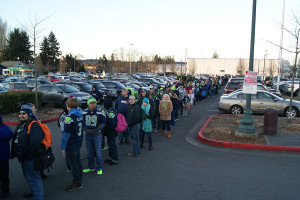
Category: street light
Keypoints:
(264, 63)
(130, 56)
(54, 65)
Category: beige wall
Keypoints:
(223, 66)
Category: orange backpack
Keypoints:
(48, 136)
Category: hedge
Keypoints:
(12, 101)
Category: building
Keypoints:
(16, 68)
(232, 66)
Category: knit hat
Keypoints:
(146, 100)
(27, 108)
(90, 100)
(108, 103)
(143, 91)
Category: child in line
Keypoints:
(186, 104)
(71, 142)
(192, 100)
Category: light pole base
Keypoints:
(247, 122)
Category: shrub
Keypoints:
(12, 101)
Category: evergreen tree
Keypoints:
(18, 46)
(54, 52)
(45, 50)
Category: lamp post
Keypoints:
(130, 56)
(246, 127)
(54, 64)
(74, 64)
(264, 64)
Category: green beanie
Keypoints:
(91, 99)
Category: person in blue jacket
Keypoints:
(71, 142)
(5, 136)
(121, 105)
(110, 132)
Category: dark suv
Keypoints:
(103, 90)
(115, 86)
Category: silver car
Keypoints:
(235, 103)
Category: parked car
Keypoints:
(287, 88)
(114, 85)
(3, 90)
(59, 94)
(19, 86)
(151, 82)
(31, 83)
(264, 88)
(232, 86)
(76, 78)
(2, 82)
(235, 103)
(103, 90)
(52, 78)
(142, 85)
(81, 86)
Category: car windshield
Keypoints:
(2, 89)
(86, 87)
(159, 80)
(20, 86)
(44, 82)
(120, 85)
(55, 77)
(233, 85)
(68, 88)
(98, 85)
(134, 86)
(14, 80)
(144, 84)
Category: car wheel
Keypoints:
(236, 110)
(294, 112)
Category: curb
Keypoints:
(43, 121)
(242, 145)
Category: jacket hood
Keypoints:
(76, 111)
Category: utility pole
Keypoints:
(264, 64)
(185, 60)
(74, 65)
(130, 56)
(280, 51)
(246, 128)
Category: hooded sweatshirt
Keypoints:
(72, 135)
(122, 104)
(5, 136)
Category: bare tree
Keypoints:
(241, 67)
(294, 49)
(272, 68)
(192, 67)
(215, 55)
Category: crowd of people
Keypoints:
(135, 116)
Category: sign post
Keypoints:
(250, 83)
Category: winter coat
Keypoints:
(5, 136)
(146, 123)
(122, 104)
(165, 109)
(133, 115)
(110, 123)
(27, 147)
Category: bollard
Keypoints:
(270, 121)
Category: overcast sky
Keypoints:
(166, 27)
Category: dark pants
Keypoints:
(112, 148)
(4, 176)
(74, 158)
(173, 118)
(165, 124)
(149, 134)
(157, 121)
(181, 107)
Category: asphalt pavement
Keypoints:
(178, 168)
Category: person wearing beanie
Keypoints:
(165, 110)
(146, 123)
(5, 136)
(27, 147)
(110, 132)
(93, 122)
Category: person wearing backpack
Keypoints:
(93, 121)
(5, 136)
(71, 142)
(121, 105)
(27, 147)
(110, 132)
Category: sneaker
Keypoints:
(105, 148)
(99, 172)
(74, 186)
(132, 155)
(69, 169)
(88, 170)
(107, 160)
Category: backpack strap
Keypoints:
(29, 126)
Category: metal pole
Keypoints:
(264, 64)
(54, 66)
(280, 51)
(35, 72)
(247, 122)
(74, 66)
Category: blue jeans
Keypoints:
(74, 158)
(34, 179)
(173, 118)
(134, 132)
(124, 135)
(93, 145)
(112, 148)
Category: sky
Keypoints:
(92, 28)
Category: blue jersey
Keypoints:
(92, 120)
